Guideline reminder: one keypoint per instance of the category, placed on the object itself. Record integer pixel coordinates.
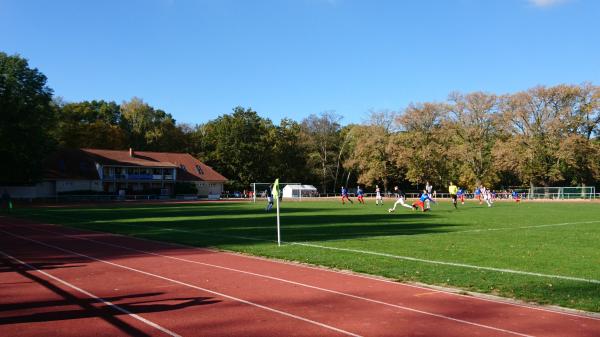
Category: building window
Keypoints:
(199, 169)
(181, 166)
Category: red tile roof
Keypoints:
(188, 167)
(70, 164)
(80, 164)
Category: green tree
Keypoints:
(26, 118)
(90, 124)
(321, 134)
(237, 146)
(288, 157)
(147, 128)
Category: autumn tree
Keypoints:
(147, 128)
(534, 120)
(475, 127)
(421, 146)
(371, 156)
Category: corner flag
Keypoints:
(275, 192)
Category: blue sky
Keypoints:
(290, 58)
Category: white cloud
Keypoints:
(546, 3)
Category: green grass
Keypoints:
(473, 235)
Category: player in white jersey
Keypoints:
(400, 197)
(428, 188)
(487, 196)
(378, 196)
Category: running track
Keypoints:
(57, 281)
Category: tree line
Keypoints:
(541, 136)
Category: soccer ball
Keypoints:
(390, 210)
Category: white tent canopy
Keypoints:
(299, 191)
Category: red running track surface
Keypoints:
(58, 281)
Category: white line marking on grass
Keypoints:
(290, 282)
(401, 257)
(525, 227)
(323, 325)
(408, 258)
(99, 299)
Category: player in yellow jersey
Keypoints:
(452, 189)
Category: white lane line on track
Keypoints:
(323, 325)
(559, 312)
(87, 293)
(288, 281)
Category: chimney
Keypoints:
(131, 153)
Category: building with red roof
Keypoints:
(124, 172)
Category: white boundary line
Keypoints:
(323, 325)
(454, 264)
(99, 299)
(399, 257)
(288, 281)
(560, 310)
(523, 227)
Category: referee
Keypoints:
(453, 190)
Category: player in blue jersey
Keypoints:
(361, 195)
(460, 194)
(478, 194)
(421, 202)
(516, 196)
(345, 195)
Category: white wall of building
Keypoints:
(207, 188)
(41, 190)
(78, 185)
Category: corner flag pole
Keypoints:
(278, 226)
(276, 195)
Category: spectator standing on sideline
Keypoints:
(6, 201)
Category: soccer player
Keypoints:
(460, 194)
(361, 195)
(487, 196)
(453, 190)
(421, 202)
(478, 194)
(400, 197)
(428, 189)
(378, 197)
(345, 195)
(269, 195)
(516, 196)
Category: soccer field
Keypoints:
(542, 252)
